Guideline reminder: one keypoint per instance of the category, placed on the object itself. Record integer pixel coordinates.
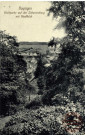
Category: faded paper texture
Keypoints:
(42, 68)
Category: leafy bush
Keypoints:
(40, 121)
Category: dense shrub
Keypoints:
(40, 121)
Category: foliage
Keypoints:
(40, 121)
(39, 74)
(67, 69)
(44, 120)
(12, 74)
(35, 103)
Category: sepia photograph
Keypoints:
(42, 67)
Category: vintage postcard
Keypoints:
(42, 68)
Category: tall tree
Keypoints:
(66, 70)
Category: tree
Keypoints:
(12, 73)
(68, 65)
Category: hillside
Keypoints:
(32, 43)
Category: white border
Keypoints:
(43, 0)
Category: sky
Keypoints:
(39, 27)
